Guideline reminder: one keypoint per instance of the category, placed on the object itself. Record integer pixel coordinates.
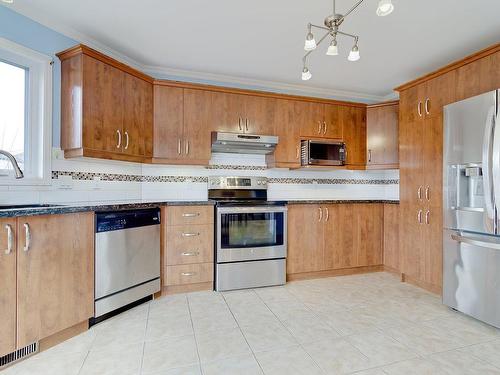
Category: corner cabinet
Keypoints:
(382, 132)
(106, 107)
(47, 275)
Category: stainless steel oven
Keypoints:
(251, 234)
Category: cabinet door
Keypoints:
(197, 141)
(55, 274)
(260, 115)
(138, 117)
(227, 112)
(8, 286)
(391, 237)
(333, 121)
(411, 103)
(340, 237)
(305, 238)
(432, 254)
(168, 121)
(354, 130)
(382, 135)
(311, 119)
(478, 77)
(439, 92)
(103, 101)
(369, 234)
(288, 131)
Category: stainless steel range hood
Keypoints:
(243, 143)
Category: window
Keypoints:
(25, 113)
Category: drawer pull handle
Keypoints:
(190, 234)
(188, 273)
(191, 215)
(28, 237)
(10, 239)
(190, 253)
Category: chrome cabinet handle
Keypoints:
(427, 214)
(126, 140)
(369, 156)
(190, 234)
(28, 237)
(419, 109)
(239, 123)
(419, 216)
(186, 214)
(327, 214)
(187, 147)
(188, 273)
(179, 146)
(427, 106)
(246, 124)
(320, 214)
(10, 239)
(428, 193)
(119, 144)
(419, 192)
(298, 153)
(325, 127)
(319, 127)
(190, 253)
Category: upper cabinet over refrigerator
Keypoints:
(472, 164)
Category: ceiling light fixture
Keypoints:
(332, 24)
(8, 1)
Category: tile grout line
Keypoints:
(144, 341)
(242, 333)
(194, 335)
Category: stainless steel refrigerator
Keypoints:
(471, 183)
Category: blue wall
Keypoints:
(22, 30)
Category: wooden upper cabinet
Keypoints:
(168, 122)
(106, 107)
(333, 121)
(197, 142)
(287, 153)
(55, 278)
(311, 120)
(382, 135)
(228, 112)
(260, 115)
(354, 129)
(103, 97)
(8, 254)
(138, 117)
(478, 77)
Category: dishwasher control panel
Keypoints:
(118, 220)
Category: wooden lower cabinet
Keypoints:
(55, 277)
(392, 257)
(334, 236)
(7, 286)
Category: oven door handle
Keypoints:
(251, 210)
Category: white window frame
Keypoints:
(38, 113)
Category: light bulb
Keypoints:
(385, 7)
(332, 50)
(354, 54)
(306, 74)
(310, 43)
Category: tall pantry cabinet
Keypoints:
(421, 158)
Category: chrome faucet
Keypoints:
(13, 161)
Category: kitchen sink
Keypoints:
(18, 206)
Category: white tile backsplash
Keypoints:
(67, 190)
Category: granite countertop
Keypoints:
(344, 201)
(96, 207)
(116, 206)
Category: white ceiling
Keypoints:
(260, 42)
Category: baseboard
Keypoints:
(63, 335)
(394, 271)
(175, 289)
(422, 284)
(330, 273)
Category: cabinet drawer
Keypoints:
(189, 274)
(190, 244)
(182, 215)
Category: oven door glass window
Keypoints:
(250, 230)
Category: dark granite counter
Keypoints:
(343, 201)
(67, 209)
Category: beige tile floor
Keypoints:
(366, 324)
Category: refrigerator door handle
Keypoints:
(487, 173)
(474, 242)
(496, 161)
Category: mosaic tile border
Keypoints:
(237, 167)
(89, 176)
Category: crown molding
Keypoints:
(160, 72)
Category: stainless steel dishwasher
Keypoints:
(127, 258)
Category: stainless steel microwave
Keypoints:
(325, 153)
